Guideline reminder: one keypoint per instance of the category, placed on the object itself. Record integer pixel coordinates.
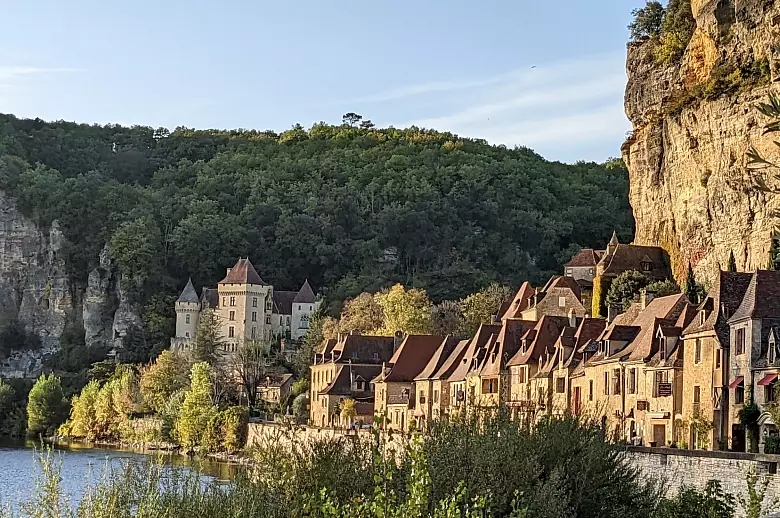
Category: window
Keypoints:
(376, 357)
(569, 271)
(268, 305)
(647, 266)
(422, 396)
(224, 299)
(435, 396)
(254, 316)
(254, 302)
(304, 321)
(521, 375)
(771, 354)
(187, 334)
(718, 354)
(288, 321)
(231, 332)
(268, 319)
(232, 315)
(632, 381)
(354, 355)
(280, 319)
(299, 307)
(232, 301)
(739, 341)
(616, 379)
(697, 356)
(696, 399)
(590, 390)
(606, 384)
(769, 393)
(253, 332)
(662, 387)
(562, 302)
(739, 394)
(187, 319)
(560, 385)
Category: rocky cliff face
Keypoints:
(691, 190)
(35, 290)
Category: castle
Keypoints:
(247, 308)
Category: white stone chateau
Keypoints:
(247, 309)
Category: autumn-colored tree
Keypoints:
(161, 379)
(363, 314)
(404, 310)
(348, 411)
(447, 319)
(197, 408)
(480, 307)
(250, 364)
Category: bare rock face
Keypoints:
(36, 291)
(691, 190)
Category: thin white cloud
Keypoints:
(8, 72)
(553, 108)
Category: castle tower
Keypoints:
(187, 312)
(304, 304)
(245, 305)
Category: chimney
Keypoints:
(398, 337)
(228, 271)
(354, 333)
(572, 318)
(610, 314)
(646, 297)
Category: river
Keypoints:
(80, 466)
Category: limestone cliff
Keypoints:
(35, 289)
(691, 190)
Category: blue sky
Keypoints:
(458, 65)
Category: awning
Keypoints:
(737, 382)
(766, 380)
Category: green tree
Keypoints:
(136, 247)
(732, 267)
(404, 310)
(647, 21)
(693, 290)
(480, 307)
(7, 396)
(363, 314)
(161, 379)
(208, 338)
(663, 288)
(46, 405)
(447, 319)
(83, 422)
(711, 502)
(625, 289)
(196, 410)
(676, 31)
(300, 406)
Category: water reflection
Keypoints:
(82, 466)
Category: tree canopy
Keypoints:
(351, 207)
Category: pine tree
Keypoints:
(774, 254)
(208, 339)
(693, 290)
(732, 262)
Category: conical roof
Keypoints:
(188, 294)
(305, 294)
(614, 240)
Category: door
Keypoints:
(659, 435)
(737, 438)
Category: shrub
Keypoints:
(46, 406)
(711, 502)
(647, 21)
(625, 289)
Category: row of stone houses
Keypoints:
(666, 371)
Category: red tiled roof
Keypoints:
(412, 356)
(341, 385)
(543, 336)
(361, 349)
(520, 301)
(727, 293)
(439, 358)
(452, 361)
(506, 345)
(630, 257)
(660, 310)
(476, 344)
(243, 273)
(584, 258)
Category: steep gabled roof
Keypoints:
(305, 295)
(363, 349)
(210, 297)
(722, 301)
(505, 346)
(661, 310)
(439, 358)
(584, 258)
(762, 297)
(243, 273)
(411, 357)
(341, 385)
(453, 361)
(188, 294)
(630, 257)
(520, 301)
(542, 338)
(476, 344)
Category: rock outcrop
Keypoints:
(691, 189)
(36, 291)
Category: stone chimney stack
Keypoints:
(610, 314)
(398, 338)
(572, 318)
(646, 297)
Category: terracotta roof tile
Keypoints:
(243, 273)
(363, 349)
(542, 338)
(453, 361)
(762, 297)
(439, 358)
(520, 301)
(412, 356)
(341, 385)
(629, 257)
(584, 258)
(505, 346)
(476, 344)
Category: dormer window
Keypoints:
(647, 266)
(771, 354)
(376, 357)
(355, 355)
(702, 316)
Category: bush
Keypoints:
(46, 406)
(625, 289)
(647, 21)
(711, 502)
(676, 31)
(772, 444)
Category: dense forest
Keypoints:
(351, 207)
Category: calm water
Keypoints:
(80, 466)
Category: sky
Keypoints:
(548, 75)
